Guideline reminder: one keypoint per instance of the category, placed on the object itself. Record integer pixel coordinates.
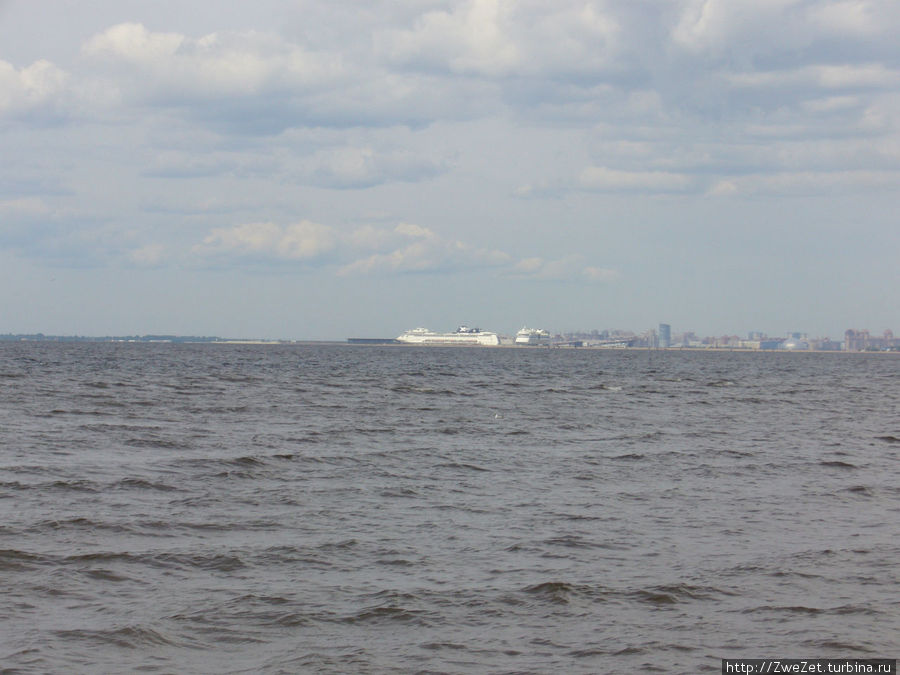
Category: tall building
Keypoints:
(856, 340)
(862, 340)
(665, 335)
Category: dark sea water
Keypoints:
(342, 509)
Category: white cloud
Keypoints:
(303, 241)
(132, 42)
(604, 179)
(573, 60)
(371, 238)
(413, 248)
(230, 64)
(33, 88)
(506, 38)
(256, 83)
(540, 189)
(407, 248)
(470, 38)
(528, 266)
(723, 188)
(413, 230)
(263, 83)
(306, 240)
(599, 274)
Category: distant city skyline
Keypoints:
(854, 340)
(318, 169)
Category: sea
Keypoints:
(316, 508)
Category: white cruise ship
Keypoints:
(532, 336)
(462, 336)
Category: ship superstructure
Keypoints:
(532, 336)
(461, 336)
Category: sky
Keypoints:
(321, 169)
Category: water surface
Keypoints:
(316, 508)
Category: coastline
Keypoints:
(742, 350)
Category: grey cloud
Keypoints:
(352, 167)
(180, 164)
(604, 179)
(22, 179)
(570, 269)
(573, 59)
(59, 237)
(259, 84)
(807, 183)
(737, 78)
(334, 164)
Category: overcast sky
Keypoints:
(324, 168)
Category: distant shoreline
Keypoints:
(146, 339)
(539, 348)
(385, 342)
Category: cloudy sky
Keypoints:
(318, 169)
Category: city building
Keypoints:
(665, 336)
(861, 341)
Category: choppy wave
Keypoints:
(340, 509)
